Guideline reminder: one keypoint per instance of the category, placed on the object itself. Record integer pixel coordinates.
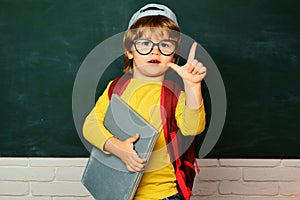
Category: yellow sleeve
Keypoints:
(190, 121)
(93, 128)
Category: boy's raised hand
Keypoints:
(193, 72)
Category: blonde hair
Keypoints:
(149, 23)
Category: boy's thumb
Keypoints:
(134, 138)
(173, 66)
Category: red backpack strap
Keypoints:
(118, 85)
(182, 159)
(169, 99)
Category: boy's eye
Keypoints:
(167, 44)
(146, 43)
(164, 44)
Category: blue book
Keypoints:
(106, 176)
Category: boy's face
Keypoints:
(154, 64)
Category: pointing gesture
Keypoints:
(193, 71)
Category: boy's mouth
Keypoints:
(154, 61)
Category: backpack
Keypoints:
(184, 165)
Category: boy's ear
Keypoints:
(129, 55)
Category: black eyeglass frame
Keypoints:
(155, 44)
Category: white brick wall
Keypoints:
(224, 179)
(248, 179)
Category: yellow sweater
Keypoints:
(144, 96)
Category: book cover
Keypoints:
(106, 176)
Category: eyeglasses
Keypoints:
(165, 47)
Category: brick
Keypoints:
(69, 173)
(21, 162)
(208, 162)
(58, 162)
(272, 174)
(24, 198)
(73, 198)
(290, 189)
(250, 188)
(291, 162)
(58, 189)
(250, 162)
(220, 173)
(14, 188)
(26, 174)
(205, 188)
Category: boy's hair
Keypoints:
(157, 25)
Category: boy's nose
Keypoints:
(155, 50)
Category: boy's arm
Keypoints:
(95, 132)
(190, 121)
(93, 128)
(97, 135)
(192, 74)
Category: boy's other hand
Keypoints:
(193, 72)
(125, 151)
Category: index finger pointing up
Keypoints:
(192, 52)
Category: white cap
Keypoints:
(159, 10)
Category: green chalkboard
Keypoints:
(254, 43)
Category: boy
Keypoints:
(150, 46)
